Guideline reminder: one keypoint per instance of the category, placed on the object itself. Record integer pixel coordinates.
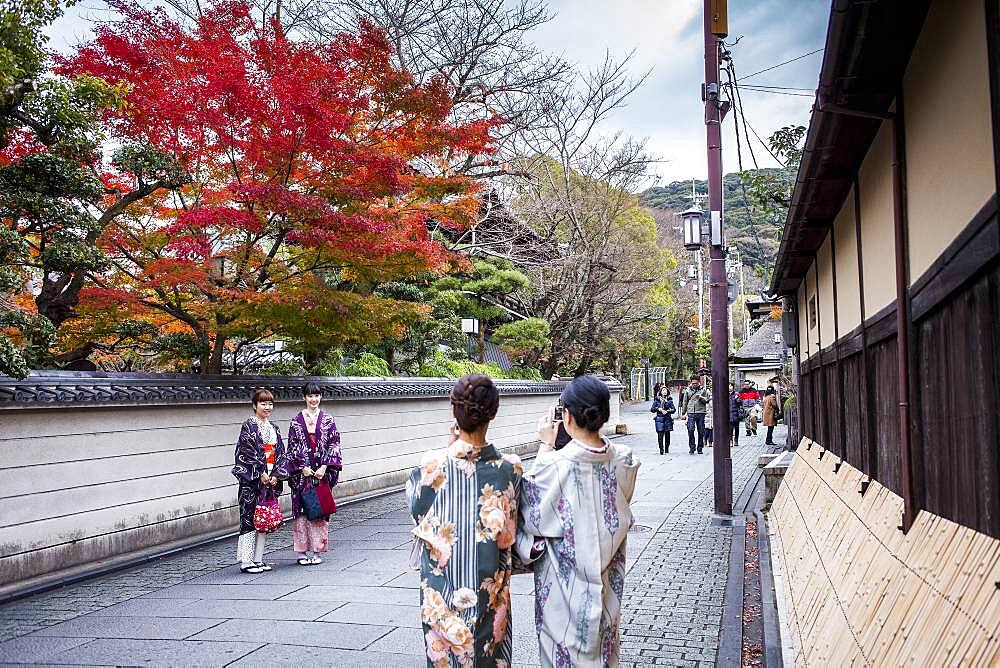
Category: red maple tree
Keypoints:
(304, 191)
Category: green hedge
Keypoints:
(442, 366)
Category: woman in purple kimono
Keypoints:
(260, 464)
(313, 459)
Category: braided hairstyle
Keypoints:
(588, 399)
(475, 399)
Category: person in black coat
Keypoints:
(736, 413)
(663, 410)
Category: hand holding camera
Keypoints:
(547, 432)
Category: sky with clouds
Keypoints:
(668, 39)
(666, 36)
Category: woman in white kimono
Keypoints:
(575, 517)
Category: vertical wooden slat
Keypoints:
(867, 386)
(958, 347)
(887, 415)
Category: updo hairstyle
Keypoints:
(311, 388)
(588, 399)
(476, 400)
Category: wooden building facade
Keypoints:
(886, 527)
(896, 202)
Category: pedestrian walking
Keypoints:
(261, 465)
(575, 517)
(694, 403)
(663, 410)
(464, 499)
(736, 413)
(770, 409)
(754, 419)
(750, 398)
(314, 462)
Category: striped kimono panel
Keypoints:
(464, 501)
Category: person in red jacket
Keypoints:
(749, 397)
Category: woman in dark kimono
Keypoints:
(313, 459)
(260, 463)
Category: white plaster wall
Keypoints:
(877, 231)
(824, 273)
(848, 283)
(949, 137)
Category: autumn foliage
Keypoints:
(304, 183)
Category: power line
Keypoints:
(738, 112)
(739, 109)
(762, 142)
(753, 89)
(780, 87)
(772, 67)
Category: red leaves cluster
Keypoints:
(295, 150)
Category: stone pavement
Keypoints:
(360, 607)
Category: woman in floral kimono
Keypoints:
(313, 459)
(464, 501)
(575, 516)
(260, 464)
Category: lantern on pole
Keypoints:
(692, 223)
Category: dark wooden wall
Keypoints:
(849, 394)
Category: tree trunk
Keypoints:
(311, 358)
(212, 365)
(482, 343)
(58, 298)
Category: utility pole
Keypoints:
(701, 295)
(716, 20)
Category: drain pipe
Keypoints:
(902, 315)
(902, 269)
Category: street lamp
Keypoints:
(645, 363)
(470, 325)
(692, 223)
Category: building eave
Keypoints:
(868, 45)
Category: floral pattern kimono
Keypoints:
(251, 463)
(464, 501)
(300, 454)
(577, 500)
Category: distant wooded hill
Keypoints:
(757, 250)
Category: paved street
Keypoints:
(359, 608)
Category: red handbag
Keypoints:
(267, 515)
(325, 496)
